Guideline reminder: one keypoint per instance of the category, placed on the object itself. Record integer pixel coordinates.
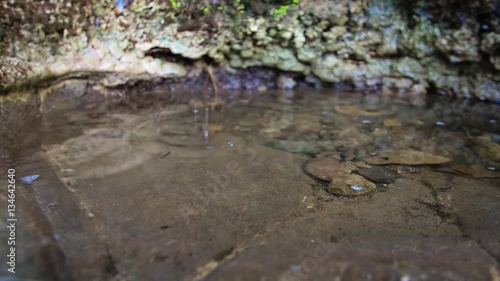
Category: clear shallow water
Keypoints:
(185, 185)
(353, 127)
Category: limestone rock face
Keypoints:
(450, 45)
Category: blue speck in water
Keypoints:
(367, 121)
(30, 179)
(440, 123)
(231, 143)
(492, 168)
(356, 187)
(295, 268)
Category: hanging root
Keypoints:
(213, 78)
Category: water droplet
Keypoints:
(30, 179)
(231, 143)
(440, 123)
(493, 121)
(492, 168)
(367, 122)
(356, 187)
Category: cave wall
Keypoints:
(450, 47)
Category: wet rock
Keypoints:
(308, 53)
(298, 132)
(350, 185)
(418, 89)
(12, 70)
(487, 149)
(403, 83)
(460, 46)
(333, 69)
(408, 67)
(407, 157)
(378, 174)
(285, 82)
(487, 89)
(326, 168)
(352, 137)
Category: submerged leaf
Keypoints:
(406, 157)
(471, 171)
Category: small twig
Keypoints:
(213, 78)
(165, 155)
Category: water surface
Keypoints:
(139, 190)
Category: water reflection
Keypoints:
(352, 126)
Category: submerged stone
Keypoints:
(351, 185)
(378, 174)
(326, 168)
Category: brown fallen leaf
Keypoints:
(471, 171)
(406, 157)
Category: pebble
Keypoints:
(326, 168)
(378, 174)
(285, 82)
(351, 185)
(406, 157)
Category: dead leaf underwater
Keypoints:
(406, 157)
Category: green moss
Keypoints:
(246, 54)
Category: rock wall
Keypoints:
(451, 47)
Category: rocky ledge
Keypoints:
(409, 48)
